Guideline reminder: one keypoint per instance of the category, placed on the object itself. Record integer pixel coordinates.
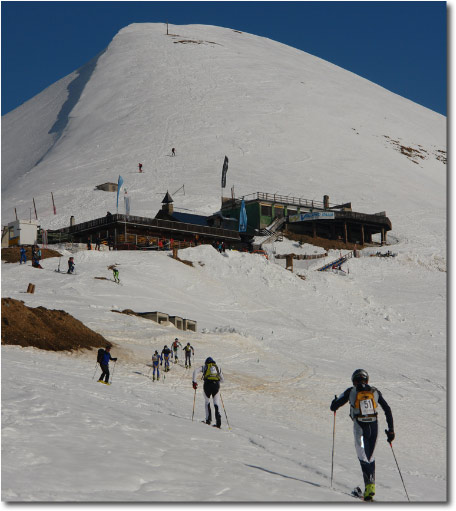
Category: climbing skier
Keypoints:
(70, 265)
(363, 411)
(173, 152)
(175, 347)
(189, 351)
(166, 352)
(155, 365)
(115, 273)
(212, 377)
(104, 364)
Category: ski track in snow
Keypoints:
(280, 376)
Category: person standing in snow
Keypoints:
(212, 377)
(104, 364)
(175, 347)
(70, 265)
(23, 256)
(173, 152)
(189, 351)
(156, 359)
(166, 352)
(97, 243)
(364, 401)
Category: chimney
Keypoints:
(72, 221)
(326, 201)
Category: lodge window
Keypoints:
(278, 212)
(266, 210)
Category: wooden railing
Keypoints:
(168, 225)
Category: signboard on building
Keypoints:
(316, 215)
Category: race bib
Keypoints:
(366, 407)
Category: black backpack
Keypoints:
(101, 352)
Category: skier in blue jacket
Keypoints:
(23, 256)
(104, 364)
(156, 359)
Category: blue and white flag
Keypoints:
(243, 218)
(119, 184)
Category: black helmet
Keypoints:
(209, 360)
(188, 344)
(165, 346)
(360, 376)
(176, 339)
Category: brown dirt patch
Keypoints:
(46, 329)
(13, 254)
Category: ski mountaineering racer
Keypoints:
(166, 352)
(175, 347)
(189, 351)
(103, 359)
(156, 359)
(212, 377)
(364, 400)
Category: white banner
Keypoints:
(127, 204)
(316, 215)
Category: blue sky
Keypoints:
(398, 45)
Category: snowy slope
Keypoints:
(286, 347)
(290, 123)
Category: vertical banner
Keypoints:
(36, 216)
(224, 171)
(242, 218)
(53, 203)
(127, 204)
(119, 184)
(44, 237)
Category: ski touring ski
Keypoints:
(359, 494)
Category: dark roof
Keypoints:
(188, 218)
(167, 199)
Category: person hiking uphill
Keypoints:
(103, 360)
(175, 347)
(212, 377)
(166, 352)
(156, 359)
(189, 351)
(364, 401)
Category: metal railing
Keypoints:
(281, 199)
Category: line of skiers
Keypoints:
(363, 398)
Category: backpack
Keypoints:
(363, 403)
(211, 372)
(100, 354)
